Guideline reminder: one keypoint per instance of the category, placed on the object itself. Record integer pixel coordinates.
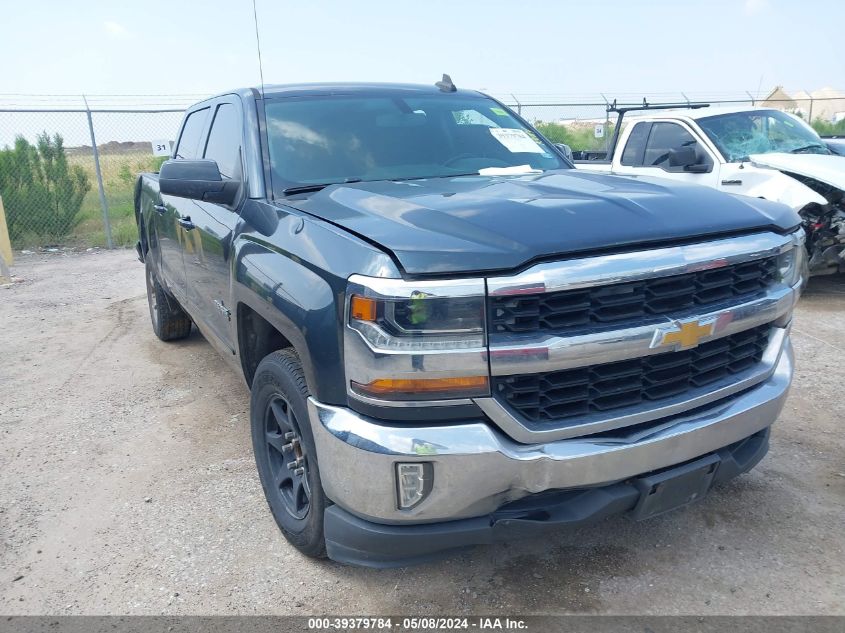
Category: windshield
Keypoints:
(741, 134)
(335, 139)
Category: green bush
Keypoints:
(825, 128)
(42, 193)
(578, 137)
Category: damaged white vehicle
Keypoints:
(755, 152)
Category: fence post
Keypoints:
(5, 248)
(606, 128)
(810, 116)
(103, 203)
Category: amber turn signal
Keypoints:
(363, 309)
(398, 388)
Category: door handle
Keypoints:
(160, 208)
(186, 223)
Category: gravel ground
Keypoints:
(127, 486)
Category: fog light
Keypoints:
(414, 482)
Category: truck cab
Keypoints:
(757, 152)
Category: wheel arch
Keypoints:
(300, 311)
(257, 338)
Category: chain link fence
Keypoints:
(67, 175)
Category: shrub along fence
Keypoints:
(67, 176)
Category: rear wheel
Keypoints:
(170, 321)
(284, 451)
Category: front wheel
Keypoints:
(284, 451)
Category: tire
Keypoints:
(170, 321)
(285, 454)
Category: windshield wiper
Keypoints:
(322, 185)
(434, 177)
(800, 150)
(316, 186)
(306, 188)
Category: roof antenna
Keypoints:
(258, 46)
(444, 84)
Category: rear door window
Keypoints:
(191, 137)
(635, 147)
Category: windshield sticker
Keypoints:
(516, 141)
(498, 111)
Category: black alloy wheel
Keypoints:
(287, 459)
(285, 454)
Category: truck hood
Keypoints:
(488, 223)
(825, 168)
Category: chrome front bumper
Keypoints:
(477, 468)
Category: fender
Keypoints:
(771, 184)
(296, 302)
(293, 274)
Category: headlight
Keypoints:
(415, 341)
(792, 263)
(421, 321)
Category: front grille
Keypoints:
(632, 301)
(563, 394)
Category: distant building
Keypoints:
(826, 104)
(778, 98)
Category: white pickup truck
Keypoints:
(756, 152)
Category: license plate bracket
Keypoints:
(674, 488)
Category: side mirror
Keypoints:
(682, 157)
(197, 180)
(565, 150)
(686, 159)
(698, 168)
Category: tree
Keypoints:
(41, 192)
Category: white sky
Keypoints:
(175, 52)
(158, 47)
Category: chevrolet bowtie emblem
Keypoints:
(683, 335)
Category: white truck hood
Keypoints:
(824, 168)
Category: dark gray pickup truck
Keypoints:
(451, 336)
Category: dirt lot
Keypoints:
(127, 485)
